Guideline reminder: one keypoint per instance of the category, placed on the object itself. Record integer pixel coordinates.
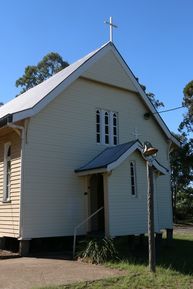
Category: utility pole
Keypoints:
(149, 152)
(150, 212)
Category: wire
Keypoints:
(167, 110)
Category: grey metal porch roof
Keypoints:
(112, 157)
(106, 157)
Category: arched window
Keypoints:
(98, 128)
(133, 178)
(115, 128)
(106, 127)
(7, 171)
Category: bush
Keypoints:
(97, 251)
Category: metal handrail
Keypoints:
(79, 225)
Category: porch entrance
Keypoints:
(96, 201)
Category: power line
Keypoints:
(167, 110)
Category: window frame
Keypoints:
(107, 136)
(133, 178)
(6, 185)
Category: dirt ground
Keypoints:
(181, 228)
(27, 273)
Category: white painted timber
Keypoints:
(62, 137)
(128, 214)
(10, 211)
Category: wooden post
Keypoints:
(150, 210)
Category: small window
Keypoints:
(133, 178)
(98, 129)
(7, 172)
(106, 128)
(115, 127)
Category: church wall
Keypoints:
(128, 213)
(60, 139)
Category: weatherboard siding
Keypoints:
(112, 72)
(127, 213)
(61, 138)
(10, 211)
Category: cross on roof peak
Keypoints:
(111, 25)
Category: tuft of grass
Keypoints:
(97, 250)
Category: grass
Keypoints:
(174, 267)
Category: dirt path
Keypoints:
(185, 229)
(26, 273)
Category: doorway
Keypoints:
(97, 222)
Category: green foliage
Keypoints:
(152, 98)
(155, 101)
(181, 173)
(34, 75)
(184, 204)
(182, 164)
(187, 122)
(97, 251)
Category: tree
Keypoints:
(187, 122)
(181, 170)
(34, 75)
(152, 98)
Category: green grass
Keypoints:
(174, 267)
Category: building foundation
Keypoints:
(169, 236)
(24, 246)
(2, 243)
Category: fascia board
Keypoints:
(161, 169)
(142, 93)
(174, 140)
(124, 156)
(90, 172)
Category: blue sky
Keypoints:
(154, 37)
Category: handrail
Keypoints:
(79, 225)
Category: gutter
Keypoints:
(20, 130)
(6, 120)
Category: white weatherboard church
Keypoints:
(72, 145)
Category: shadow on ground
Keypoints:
(177, 255)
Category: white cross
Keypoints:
(135, 133)
(110, 23)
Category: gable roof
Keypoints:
(22, 106)
(35, 99)
(112, 157)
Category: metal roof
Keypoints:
(31, 97)
(112, 157)
(35, 99)
(106, 157)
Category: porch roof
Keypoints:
(112, 157)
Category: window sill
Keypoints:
(6, 201)
(106, 145)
